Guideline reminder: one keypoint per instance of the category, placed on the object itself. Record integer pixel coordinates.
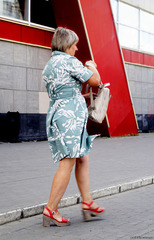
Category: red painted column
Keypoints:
(92, 20)
(108, 56)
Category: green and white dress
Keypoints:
(67, 114)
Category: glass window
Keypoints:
(42, 13)
(114, 5)
(128, 36)
(128, 15)
(147, 22)
(35, 11)
(147, 42)
(135, 26)
(11, 8)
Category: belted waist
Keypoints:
(64, 94)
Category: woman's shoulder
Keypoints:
(74, 61)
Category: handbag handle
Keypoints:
(101, 85)
(91, 94)
(91, 98)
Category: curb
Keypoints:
(69, 201)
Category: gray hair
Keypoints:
(63, 39)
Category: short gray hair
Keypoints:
(63, 39)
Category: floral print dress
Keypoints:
(67, 115)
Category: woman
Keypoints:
(66, 123)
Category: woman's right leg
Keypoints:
(59, 185)
(82, 177)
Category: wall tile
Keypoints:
(145, 74)
(136, 89)
(141, 82)
(137, 105)
(130, 72)
(6, 77)
(43, 87)
(145, 106)
(6, 101)
(138, 73)
(43, 102)
(20, 55)
(20, 101)
(147, 90)
(19, 78)
(6, 53)
(37, 57)
(151, 106)
(34, 79)
(32, 102)
(32, 57)
(151, 75)
(44, 56)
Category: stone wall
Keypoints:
(22, 91)
(141, 82)
(21, 86)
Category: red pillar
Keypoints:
(92, 20)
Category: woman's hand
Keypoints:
(87, 95)
(95, 79)
(91, 63)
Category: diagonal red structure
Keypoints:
(93, 21)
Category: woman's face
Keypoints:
(71, 51)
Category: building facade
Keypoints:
(26, 31)
(134, 21)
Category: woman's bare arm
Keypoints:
(95, 79)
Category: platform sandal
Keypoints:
(88, 213)
(47, 219)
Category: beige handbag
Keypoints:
(98, 106)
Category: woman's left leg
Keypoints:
(59, 185)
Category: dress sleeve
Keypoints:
(78, 70)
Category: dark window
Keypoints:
(42, 13)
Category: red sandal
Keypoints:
(47, 219)
(89, 212)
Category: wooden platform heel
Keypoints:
(88, 213)
(48, 219)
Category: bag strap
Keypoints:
(106, 84)
(91, 98)
(92, 102)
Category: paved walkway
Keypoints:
(27, 170)
(128, 216)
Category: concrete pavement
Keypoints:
(129, 215)
(27, 170)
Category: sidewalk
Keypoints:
(128, 216)
(27, 170)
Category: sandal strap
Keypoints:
(64, 220)
(88, 204)
(90, 209)
(51, 212)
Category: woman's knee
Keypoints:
(67, 164)
(84, 159)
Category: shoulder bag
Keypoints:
(98, 106)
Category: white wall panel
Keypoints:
(147, 5)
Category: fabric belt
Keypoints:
(65, 94)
